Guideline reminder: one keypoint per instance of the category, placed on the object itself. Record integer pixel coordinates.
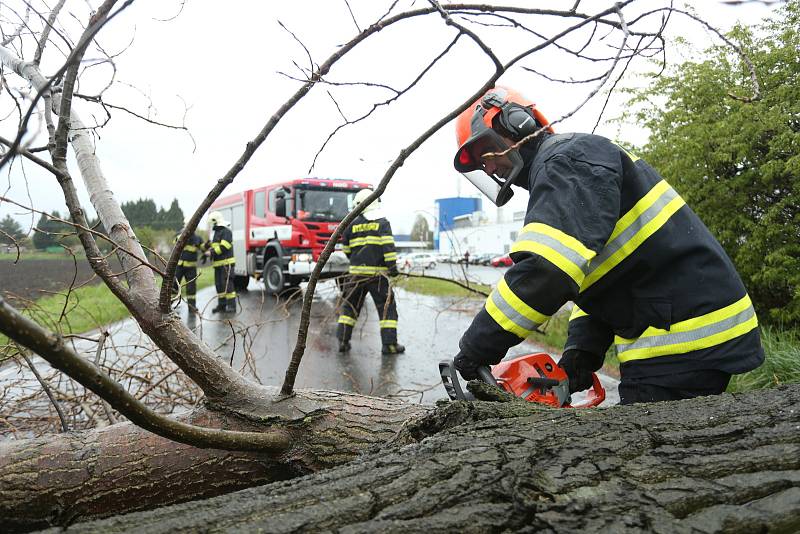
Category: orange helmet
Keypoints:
(481, 128)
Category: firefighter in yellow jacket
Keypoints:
(369, 244)
(221, 247)
(604, 231)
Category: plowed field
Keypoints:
(30, 279)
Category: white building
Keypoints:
(480, 233)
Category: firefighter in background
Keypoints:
(369, 244)
(187, 270)
(605, 231)
(221, 249)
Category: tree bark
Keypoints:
(729, 463)
(64, 478)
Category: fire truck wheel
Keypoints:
(274, 279)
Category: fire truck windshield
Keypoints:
(324, 204)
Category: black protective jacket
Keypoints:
(221, 246)
(605, 231)
(189, 253)
(370, 247)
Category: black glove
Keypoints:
(467, 367)
(393, 271)
(579, 366)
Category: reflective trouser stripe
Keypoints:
(231, 295)
(367, 269)
(576, 313)
(649, 214)
(346, 319)
(511, 313)
(226, 261)
(186, 263)
(560, 249)
(388, 324)
(693, 334)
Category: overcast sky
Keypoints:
(224, 63)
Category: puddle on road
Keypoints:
(266, 327)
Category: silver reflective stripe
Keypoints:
(579, 261)
(635, 227)
(690, 336)
(512, 314)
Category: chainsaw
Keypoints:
(533, 377)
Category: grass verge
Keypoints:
(781, 365)
(86, 308)
(438, 287)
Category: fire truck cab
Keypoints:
(279, 230)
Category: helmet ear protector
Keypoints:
(518, 121)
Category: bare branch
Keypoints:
(53, 349)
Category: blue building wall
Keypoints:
(453, 207)
(448, 208)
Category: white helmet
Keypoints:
(215, 218)
(373, 210)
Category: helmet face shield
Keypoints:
(495, 184)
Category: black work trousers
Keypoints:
(676, 386)
(354, 291)
(189, 275)
(226, 291)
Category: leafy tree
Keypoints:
(420, 231)
(45, 236)
(171, 219)
(10, 231)
(142, 212)
(737, 163)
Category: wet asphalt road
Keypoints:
(430, 327)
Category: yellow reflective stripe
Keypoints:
(368, 240)
(649, 214)
(187, 263)
(217, 248)
(389, 324)
(346, 319)
(632, 156)
(346, 248)
(366, 269)
(697, 333)
(231, 295)
(560, 249)
(387, 240)
(226, 244)
(389, 256)
(190, 248)
(511, 313)
(576, 313)
(226, 261)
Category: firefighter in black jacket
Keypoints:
(605, 231)
(369, 244)
(221, 247)
(187, 270)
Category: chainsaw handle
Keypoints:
(595, 396)
(542, 382)
(485, 374)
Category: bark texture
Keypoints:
(718, 464)
(121, 468)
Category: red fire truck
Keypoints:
(280, 229)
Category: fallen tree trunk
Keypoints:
(717, 464)
(64, 478)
